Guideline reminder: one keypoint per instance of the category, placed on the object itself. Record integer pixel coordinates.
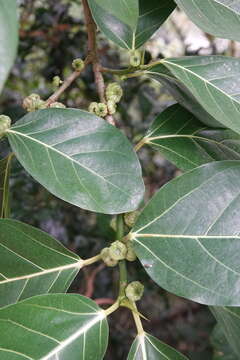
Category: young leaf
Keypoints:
(228, 319)
(32, 263)
(8, 37)
(147, 347)
(187, 235)
(187, 143)
(204, 84)
(4, 186)
(131, 23)
(80, 158)
(209, 14)
(51, 327)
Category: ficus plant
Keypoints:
(186, 237)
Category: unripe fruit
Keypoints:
(93, 107)
(102, 110)
(134, 291)
(78, 64)
(135, 58)
(130, 256)
(114, 92)
(118, 250)
(5, 123)
(111, 107)
(131, 217)
(57, 105)
(107, 259)
(33, 102)
(56, 81)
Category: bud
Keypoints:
(93, 107)
(114, 92)
(131, 217)
(130, 256)
(33, 102)
(134, 291)
(102, 110)
(5, 123)
(78, 64)
(107, 259)
(56, 81)
(57, 105)
(117, 250)
(135, 58)
(111, 107)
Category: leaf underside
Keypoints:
(208, 86)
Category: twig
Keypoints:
(67, 82)
(104, 301)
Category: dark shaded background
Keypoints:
(52, 34)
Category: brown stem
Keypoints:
(69, 80)
(104, 301)
(93, 52)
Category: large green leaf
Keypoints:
(147, 347)
(222, 350)
(4, 186)
(186, 142)
(8, 37)
(51, 327)
(187, 235)
(208, 86)
(130, 23)
(229, 321)
(80, 158)
(32, 263)
(217, 17)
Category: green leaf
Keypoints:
(187, 235)
(209, 14)
(8, 37)
(4, 186)
(147, 347)
(222, 350)
(32, 263)
(130, 23)
(207, 86)
(80, 158)
(187, 143)
(152, 14)
(228, 319)
(51, 327)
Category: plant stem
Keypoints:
(91, 260)
(140, 144)
(112, 308)
(69, 80)
(137, 320)
(122, 263)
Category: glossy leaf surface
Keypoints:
(208, 14)
(208, 86)
(147, 347)
(8, 37)
(187, 142)
(4, 186)
(130, 23)
(228, 319)
(32, 263)
(51, 327)
(80, 158)
(187, 235)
